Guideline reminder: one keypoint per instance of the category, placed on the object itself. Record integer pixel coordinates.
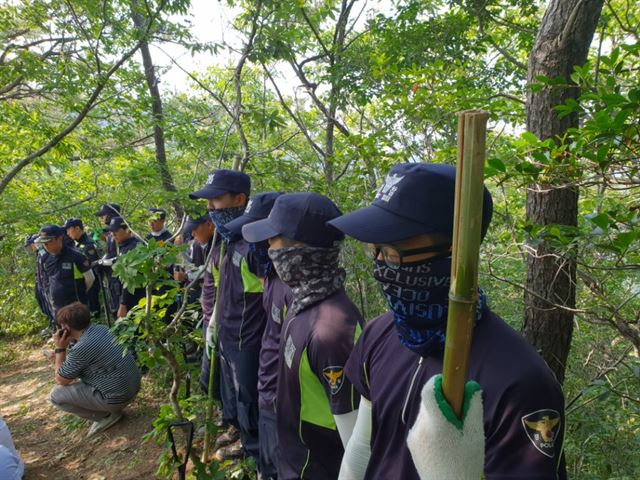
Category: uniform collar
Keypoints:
(160, 233)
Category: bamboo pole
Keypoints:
(463, 293)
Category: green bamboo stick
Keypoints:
(212, 358)
(463, 296)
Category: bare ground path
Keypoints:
(54, 445)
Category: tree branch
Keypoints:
(102, 83)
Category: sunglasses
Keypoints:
(394, 257)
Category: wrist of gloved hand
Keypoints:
(443, 446)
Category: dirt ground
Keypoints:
(54, 445)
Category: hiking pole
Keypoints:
(467, 225)
(447, 438)
(212, 361)
(185, 430)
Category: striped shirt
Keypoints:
(98, 361)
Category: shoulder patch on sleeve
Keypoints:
(334, 377)
(289, 351)
(542, 427)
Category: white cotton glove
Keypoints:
(210, 336)
(106, 262)
(443, 447)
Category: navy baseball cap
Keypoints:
(224, 181)
(416, 199)
(49, 233)
(73, 222)
(110, 209)
(298, 216)
(156, 214)
(194, 220)
(117, 223)
(258, 207)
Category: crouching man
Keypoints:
(97, 378)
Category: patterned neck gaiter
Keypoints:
(221, 216)
(418, 295)
(312, 273)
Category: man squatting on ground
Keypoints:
(410, 225)
(97, 378)
(241, 318)
(316, 405)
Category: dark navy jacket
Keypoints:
(86, 245)
(312, 388)
(164, 236)
(276, 300)
(242, 317)
(66, 279)
(128, 299)
(518, 388)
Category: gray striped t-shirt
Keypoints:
(99, 362)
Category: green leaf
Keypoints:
(497, 164)
(530, 138)
(601, 221)
(624, 239)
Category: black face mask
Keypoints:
(221, 216)
(260, 250)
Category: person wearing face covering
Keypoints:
(316, 404)
(240, 315)
(409, 228)
(276, 299)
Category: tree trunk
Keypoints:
(562, 42)
(158, 115)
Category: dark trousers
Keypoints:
(93, 296)
(239, 389)
(268, 461)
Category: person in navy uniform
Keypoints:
(276, 299)
(83, 242)
(410, 226)
(316, 404)
(41, 282)
(157, 218)
(126, 242)
(241, 318)
(105, 214)
(202, 229)
(68, 270)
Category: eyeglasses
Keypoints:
(394, 257)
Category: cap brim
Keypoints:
(374, 224)
(44, 239)
(259, 231)
(208, 193)
(235, 225)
